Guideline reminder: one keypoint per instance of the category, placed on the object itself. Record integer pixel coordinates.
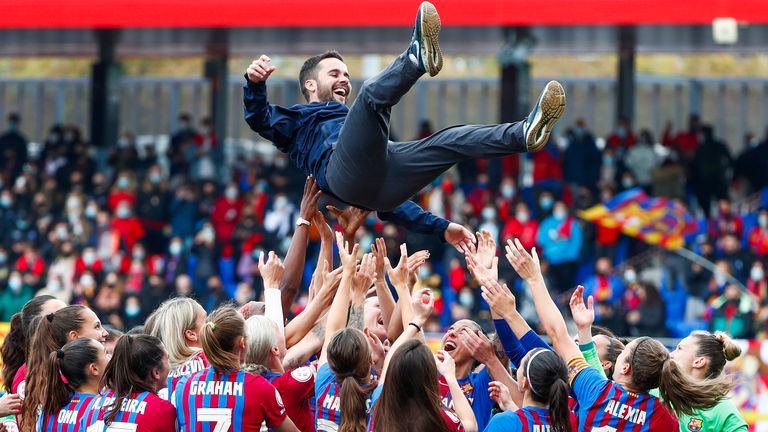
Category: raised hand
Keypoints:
(479, 346)
(499, 298)
(526, 265)
(480, 272)
(445, 364)
(399, 275)
(271, 270)
(379, 251)
(326, 233)
(423, 303)
(416, 260)
(327, 283)
(348, 259)
(486, 249)
(260, 69)
(10, 404)
(312, 193)
(460, 238)
(583, 314)
(350, 218)
(500, 394)
(364, 276)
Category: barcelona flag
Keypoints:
(658, 221)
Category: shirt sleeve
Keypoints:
(586, 382)
(166, 418)
(504, 422)
(590, 355)
(415, 219)
(272, 403)
(303, 382)
(273, 122)
(732, 420)
(509, 341)
(532, 340)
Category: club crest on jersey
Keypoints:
(695, 424)
(302, 374)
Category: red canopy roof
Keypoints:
(298, 13)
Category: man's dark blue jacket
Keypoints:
(309, 133)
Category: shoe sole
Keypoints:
(430, 30)
(551, 106)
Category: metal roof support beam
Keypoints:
(106, 74)
(216, 73)
(626, 74)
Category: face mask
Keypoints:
(560, 214)
(424, 273)
(123, 213)
(90, 212)
(621, 132)
(719, 278)
(155, 178)
(466, 299)
(61, 233)
(175, 249)
(489, 213)
(608, 161)
(630, 276)
(262, 186)
(522, 217)
(15, 285)
(757, 274)
(3, 258)
(627, 182)
(132, 311)
(87, 281)
(73, 203)
(89, 258)
(5, 201)
(123, 183)
(230, 193)
(546, 203)
(762, 220)
(208, 234)
(139, 254)
(507, 191)
(55, 286)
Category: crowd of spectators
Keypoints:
(124, 228)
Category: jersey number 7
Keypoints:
(221, 417)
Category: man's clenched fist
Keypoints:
(260, 69)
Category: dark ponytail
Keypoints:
(14, 350)
(349, 357)
(51, 334)
(68, 363)
(130, 370)
(547, 377)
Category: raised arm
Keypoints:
(413, 218)
(297, 252)
(528, 267)
(386, 301)
(275, 123)
(337, 315)
(422, 305)
(271, 271)
(300, 325)
(447, 368)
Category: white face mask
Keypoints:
(522, 217)
(560, 214)
(489, 213)
(630, 276)
(508, 191)
(756, 274)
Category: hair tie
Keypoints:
(59, 354)
(50, 317)
(211, 324)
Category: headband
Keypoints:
(528, 368)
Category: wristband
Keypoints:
(418, 327)
(301, 221)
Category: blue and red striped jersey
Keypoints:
(526, 419)
(605, 405)
(140, 412)
(233, 401)
(68, 418)
(196, 363)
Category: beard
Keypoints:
(326, 94)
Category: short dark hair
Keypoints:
(309, 69)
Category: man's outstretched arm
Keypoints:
(272, 122)
(415, 219)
